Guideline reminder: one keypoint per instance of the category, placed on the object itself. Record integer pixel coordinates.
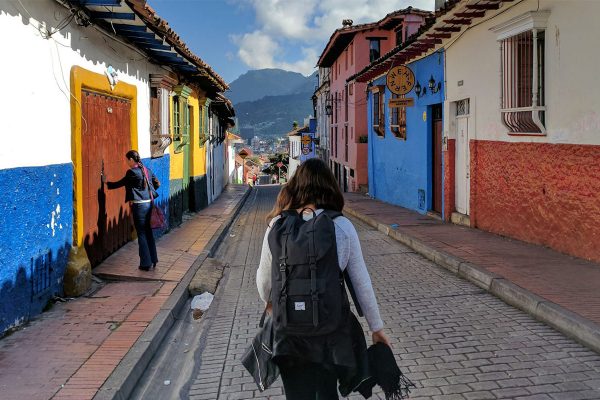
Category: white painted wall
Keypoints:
(572, 59)
(35, 75)
(294, 153)
(230, 162)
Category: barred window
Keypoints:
(522, 53)
(176, 121)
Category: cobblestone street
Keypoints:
(454, 340)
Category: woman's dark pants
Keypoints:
(308, 381)
(147, 246)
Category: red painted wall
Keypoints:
(449, 183)
(541, 193)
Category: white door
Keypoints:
(462, 167)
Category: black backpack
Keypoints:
(308, 293)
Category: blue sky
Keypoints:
(234, 36)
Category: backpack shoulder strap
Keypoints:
(333, 215)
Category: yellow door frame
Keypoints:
(83, 79)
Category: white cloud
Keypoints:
(307, 23)
(259, 50)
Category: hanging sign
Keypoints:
(400, 80)
(306, 143)
(401, 102)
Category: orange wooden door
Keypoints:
(105, 140)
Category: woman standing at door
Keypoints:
(140, 185)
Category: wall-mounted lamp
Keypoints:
(328, 109)
(433, 87)
(419, 91)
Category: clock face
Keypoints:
(400, 80)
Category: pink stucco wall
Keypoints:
(357, 54)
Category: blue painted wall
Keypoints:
(36, 219)
(36, 233)
(161, 168)
(400, 170)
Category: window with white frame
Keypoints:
(522, 44)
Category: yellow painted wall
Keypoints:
(198, 153)
(176, 170)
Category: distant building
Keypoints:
(349, 50)
(255, 143)
(322, 114)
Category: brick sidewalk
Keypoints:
(68, 352)
(566, 281)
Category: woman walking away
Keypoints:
(140, 190)
(307, 249)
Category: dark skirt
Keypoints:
(344, 352)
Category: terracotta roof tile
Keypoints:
(162, 28)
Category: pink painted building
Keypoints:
(349, 50)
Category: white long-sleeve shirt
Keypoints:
(349, 256)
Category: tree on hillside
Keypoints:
(272, 169)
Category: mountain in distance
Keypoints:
(268, 101)
(256, 84)
(272, 115)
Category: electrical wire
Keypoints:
(48, 35)
(70, 94)
(61, 25)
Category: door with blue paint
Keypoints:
(436, 167)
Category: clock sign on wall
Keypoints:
(400, 80)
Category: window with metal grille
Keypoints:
(462, 108)
(346, 143)
(346, 104)
(336, 141)
(331, 140)
(398, 120)
(186, 120)
(335, 108)
(522, 44)
(176, 125)
(202, 126)
(346, 57)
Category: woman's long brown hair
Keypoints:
(313, 183)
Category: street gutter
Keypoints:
(565, 321)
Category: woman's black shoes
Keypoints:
(148, 267)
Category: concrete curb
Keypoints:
(121, 382)
(573, 325)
